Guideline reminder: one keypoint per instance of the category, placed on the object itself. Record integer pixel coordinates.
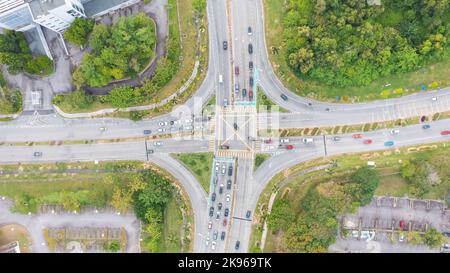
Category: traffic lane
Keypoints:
(239, 221)
(99, 151)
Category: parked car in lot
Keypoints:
(367, 141)
(426, 126)
(227, 211)
(229, 185)
(37, 154)
(284, 97)
(244, 92)
(250, 48)
(357, 136)
(389, 143)
(225, 45)
(147, 132)
(446, 132)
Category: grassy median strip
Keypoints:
(200, 165)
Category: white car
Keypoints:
(157, 143)
(188, 128)
(284, 140)
(308, 140)
(395, 131)
(434, 98)
(161, 130)
(223, 170)
(210, 225)
(270, 147)
(228, 198)
(213, 245)
(401, 238)
(188, 121)
(207, 241)
(161, 123)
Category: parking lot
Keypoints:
(382, 225)
(219, 203)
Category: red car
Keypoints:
(225, 222)
(236, 70)
(402, 224)
(268, 141)
(250, 94)
(357, 136)
(289, 147)
(367, 141)
(446, 132)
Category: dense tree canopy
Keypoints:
(118, 51)
(79, 31)
(348, 42)
(15, 53)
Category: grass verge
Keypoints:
(200, 165)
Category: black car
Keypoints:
(172, 122)
(250, 48)
(236, 246)
(235, 126)
(251, 81)
(147, 132)
(229, 185)
(226, 212)
(37, 154)
(230, 172)
(284, 97)
(213, 197)
(211, 211)
(149, 151)
(250, 65)
(244, 92)
(225, 45)
(219, 206)
(248, 214)
(220, 190)
(222, 236)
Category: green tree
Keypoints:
(41, 65)
(113, 246)
(14, 51)
(124, 96)
(281, 216)
(79, 31)
(434, 238)
(367, 181)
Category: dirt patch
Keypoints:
(12, 232)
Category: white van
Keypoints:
(220, 78)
